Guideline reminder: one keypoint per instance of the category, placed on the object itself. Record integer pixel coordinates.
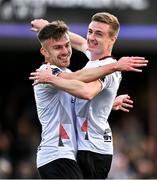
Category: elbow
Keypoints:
(87, 95)
(89, 98)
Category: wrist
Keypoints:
(115, 66)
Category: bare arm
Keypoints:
(77, 88)
(78, 42)
(72, 86)
(123, 64)
(92, 74)
(83, 90)
(89, 74)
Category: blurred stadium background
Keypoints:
(135, 133)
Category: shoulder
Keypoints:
(107, 60)
(88, 54)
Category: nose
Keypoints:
(65, 50)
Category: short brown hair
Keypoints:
(109, 19)
(54, 30)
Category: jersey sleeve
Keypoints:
(110, 80)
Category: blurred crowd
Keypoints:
(133, 151)
(19, 135)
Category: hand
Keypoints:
(131, 63)
(41, 76)
(38, 24)
(123, 103)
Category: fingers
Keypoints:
(139, 63)
(138, 60)
(128, 100)
(39, 76)
(124, 96)
(34, 29)
(135, 69)
(34, 25)
(127, 105)
(137, 57)
(132, 64)
(34, 76)
(38, 70)
(35, 82)
(124, 109)
(37, 24)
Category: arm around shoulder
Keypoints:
(78, 42)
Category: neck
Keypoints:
(47, 60)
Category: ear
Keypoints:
(114, 38)
(44, 52)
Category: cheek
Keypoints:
(104, 42)
(54, 54)
(101, 43)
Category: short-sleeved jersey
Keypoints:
(94, 132)
(55, 112)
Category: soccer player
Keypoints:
(57, 150)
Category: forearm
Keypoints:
(75, 87)
(78, 42)
(123, 64)
(92, 74)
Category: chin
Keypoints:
(92, 49)
(65, 65)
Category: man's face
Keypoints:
(98, 38)
(59, 51)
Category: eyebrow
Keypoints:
(96, 30)
(67, 43)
